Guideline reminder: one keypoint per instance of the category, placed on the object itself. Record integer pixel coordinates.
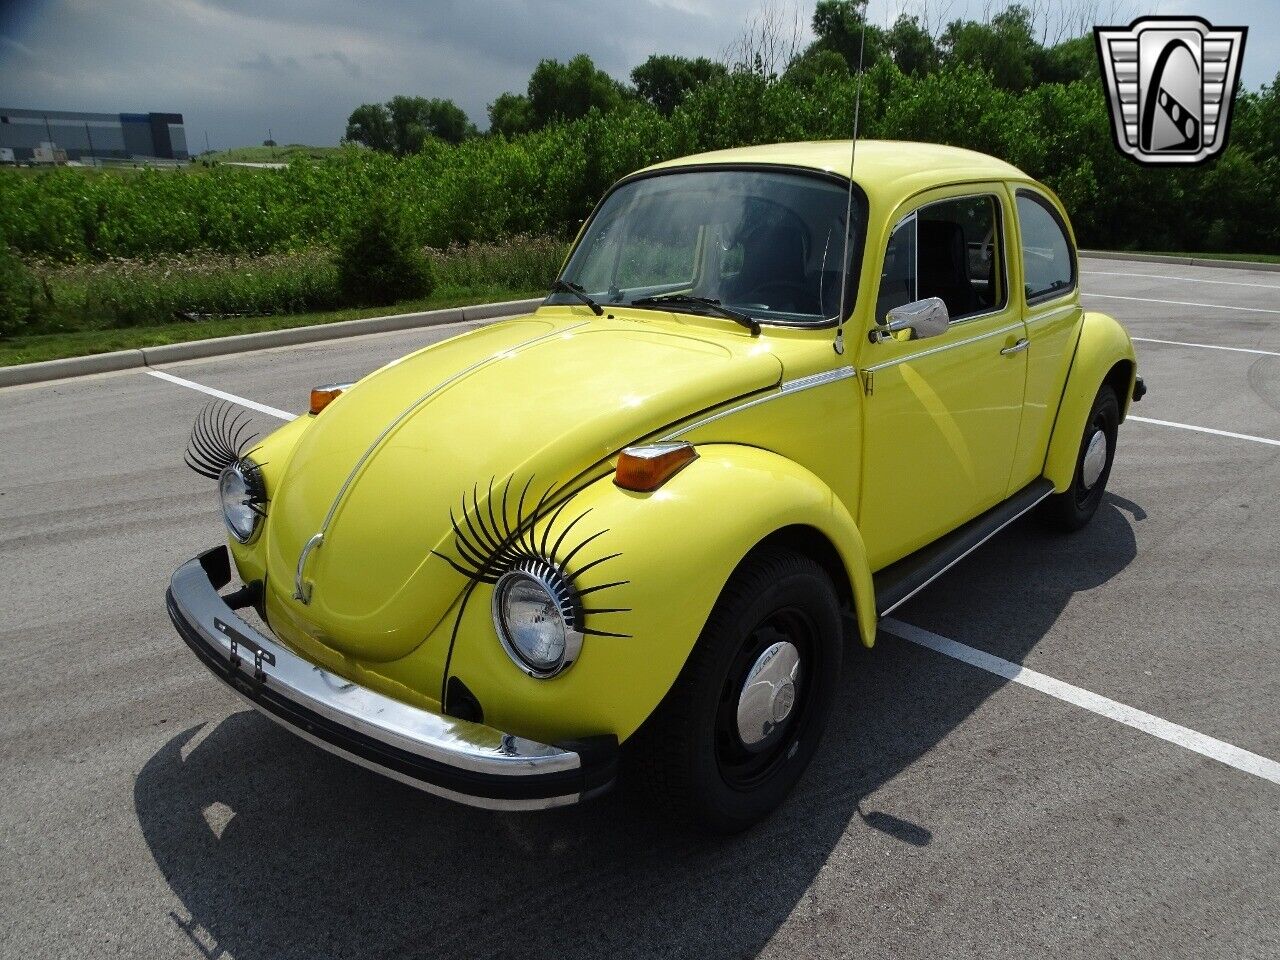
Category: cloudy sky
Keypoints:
(235, 68)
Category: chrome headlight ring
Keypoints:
(537, 617)
(244, 498)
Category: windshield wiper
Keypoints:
(686, 299)
(575, 289)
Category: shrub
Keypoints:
(20, 299)
(378, 260)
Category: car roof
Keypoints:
(884, 167)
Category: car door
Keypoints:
(1051, 309)
(942, 414)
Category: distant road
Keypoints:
(261, 166)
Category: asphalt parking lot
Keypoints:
(951, 812)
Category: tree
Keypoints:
(911, 46)
(838, 25)
(413, 119)
(1067, 62)
(566, 91)
(1004, 47)
(665, 80)
(511, 114)
(814, 65)
(402, 124)
(370, 124)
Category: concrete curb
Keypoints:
(1183, 261)
(242, 343)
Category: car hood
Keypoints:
(383, 466)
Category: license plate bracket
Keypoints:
(238, 640)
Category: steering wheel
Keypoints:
(800, 293)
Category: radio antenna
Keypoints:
(848, 208)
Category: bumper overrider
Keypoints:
(456, 759)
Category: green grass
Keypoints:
(54, 346)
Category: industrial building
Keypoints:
(48, 136)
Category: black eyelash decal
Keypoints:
(491, 540)
(220, 438)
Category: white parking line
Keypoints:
(1184, 737)
(229, 397)
(1205, 346)
(1178, 303)
(1165, 276)
(1216, 433)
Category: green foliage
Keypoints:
(911, 46)
(511, 114)
(378, 260)
(838, 26)
(54, 298)
(567, 91)
(20, 299)
(1004, 47)
(815, 63)
(1068, 62)
(370, 124)
(665, 80)
(403, 124)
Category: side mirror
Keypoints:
(924, 318)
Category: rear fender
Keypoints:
(1104, 353)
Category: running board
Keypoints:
(899, 582)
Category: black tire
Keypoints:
(689, 756)
(1075, 506)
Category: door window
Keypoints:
(951, 249)
(1048, 265)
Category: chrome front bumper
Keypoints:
(456, 759)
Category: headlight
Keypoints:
(536, 619)
(243, 499)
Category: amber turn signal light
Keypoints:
(647, 468)
(321, 397)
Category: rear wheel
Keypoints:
(1075, 506)
(741, 722)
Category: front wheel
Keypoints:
(742, 721)
(1075, 506)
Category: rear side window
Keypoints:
(1048, 264)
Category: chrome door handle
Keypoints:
(1018, 347)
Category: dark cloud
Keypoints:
(235, 67)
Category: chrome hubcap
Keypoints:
(1095, 459)
(768, 695)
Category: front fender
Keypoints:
(1103, 344)
(677, 548)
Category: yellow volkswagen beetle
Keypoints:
(762, 406)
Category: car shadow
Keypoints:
(277, 850)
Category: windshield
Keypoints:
(764, 243)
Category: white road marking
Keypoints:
(229, 397)
(1166, 276)
(1216, 433)
(1204, 346)
(1178, 303)
(1184, 737)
